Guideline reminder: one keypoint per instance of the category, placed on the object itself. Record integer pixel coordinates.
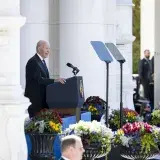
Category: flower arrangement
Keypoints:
(95, 105)
(138, 137)
(128, 116)
(46, 121)
(92, 134)
(155, 120)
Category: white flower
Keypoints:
(41, 126)
(107, 132)
(139, 119)
(72, 126)
(125, 140)
(94, 127)
(156, 130)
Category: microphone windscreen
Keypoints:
(68, 64)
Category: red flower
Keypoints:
(147, 127)
(136, 127)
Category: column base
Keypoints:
(12, 137)
(128, 88)
(128, 95)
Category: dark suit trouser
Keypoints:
(34, 108)
(151, 95)
(145, 84)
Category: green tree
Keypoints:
(136, 33)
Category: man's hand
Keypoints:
(61, 80)
(152, 77)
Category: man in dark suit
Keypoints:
(152, 62)
(145, 71)
(72, 148)
(37, 78)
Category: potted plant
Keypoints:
(42, 130)
(155, 117)
(128, 116)
(96, 106)
(96, 138)
(138, 140)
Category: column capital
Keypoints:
(123, 38)
(124, 3)
(12, 21)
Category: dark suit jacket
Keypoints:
(37, 79)
(145, 69)
(152, 62)
(61, 158)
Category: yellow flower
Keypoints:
(120, 132)
(54, 126)
(92, 108)
(51, 123)
(130, 115)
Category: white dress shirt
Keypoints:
(40, 57)
(65, 158)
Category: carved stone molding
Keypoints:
(123, 38)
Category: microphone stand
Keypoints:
(78, 109)
(75, 72)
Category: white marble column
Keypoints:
(83, 21)
(147, 26)
(157, 56)
(150, 37)
(13, 104)
(124, 43)
(110, 36)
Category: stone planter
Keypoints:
(42, 146)
(136, 154)
(93, 151)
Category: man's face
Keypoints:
(147, 54)
(78, 150)
(44, 50)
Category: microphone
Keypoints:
(73, 67)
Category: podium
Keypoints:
(66, 98)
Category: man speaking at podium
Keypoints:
(37, 78)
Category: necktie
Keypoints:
(45, 67)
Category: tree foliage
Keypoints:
(136, 33)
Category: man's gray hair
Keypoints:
(146, 50)
(69, 141)
(40, 43)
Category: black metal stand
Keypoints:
(107, 83)
(74, 72)
(121, 94)
(118, 56)
(78, 109)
